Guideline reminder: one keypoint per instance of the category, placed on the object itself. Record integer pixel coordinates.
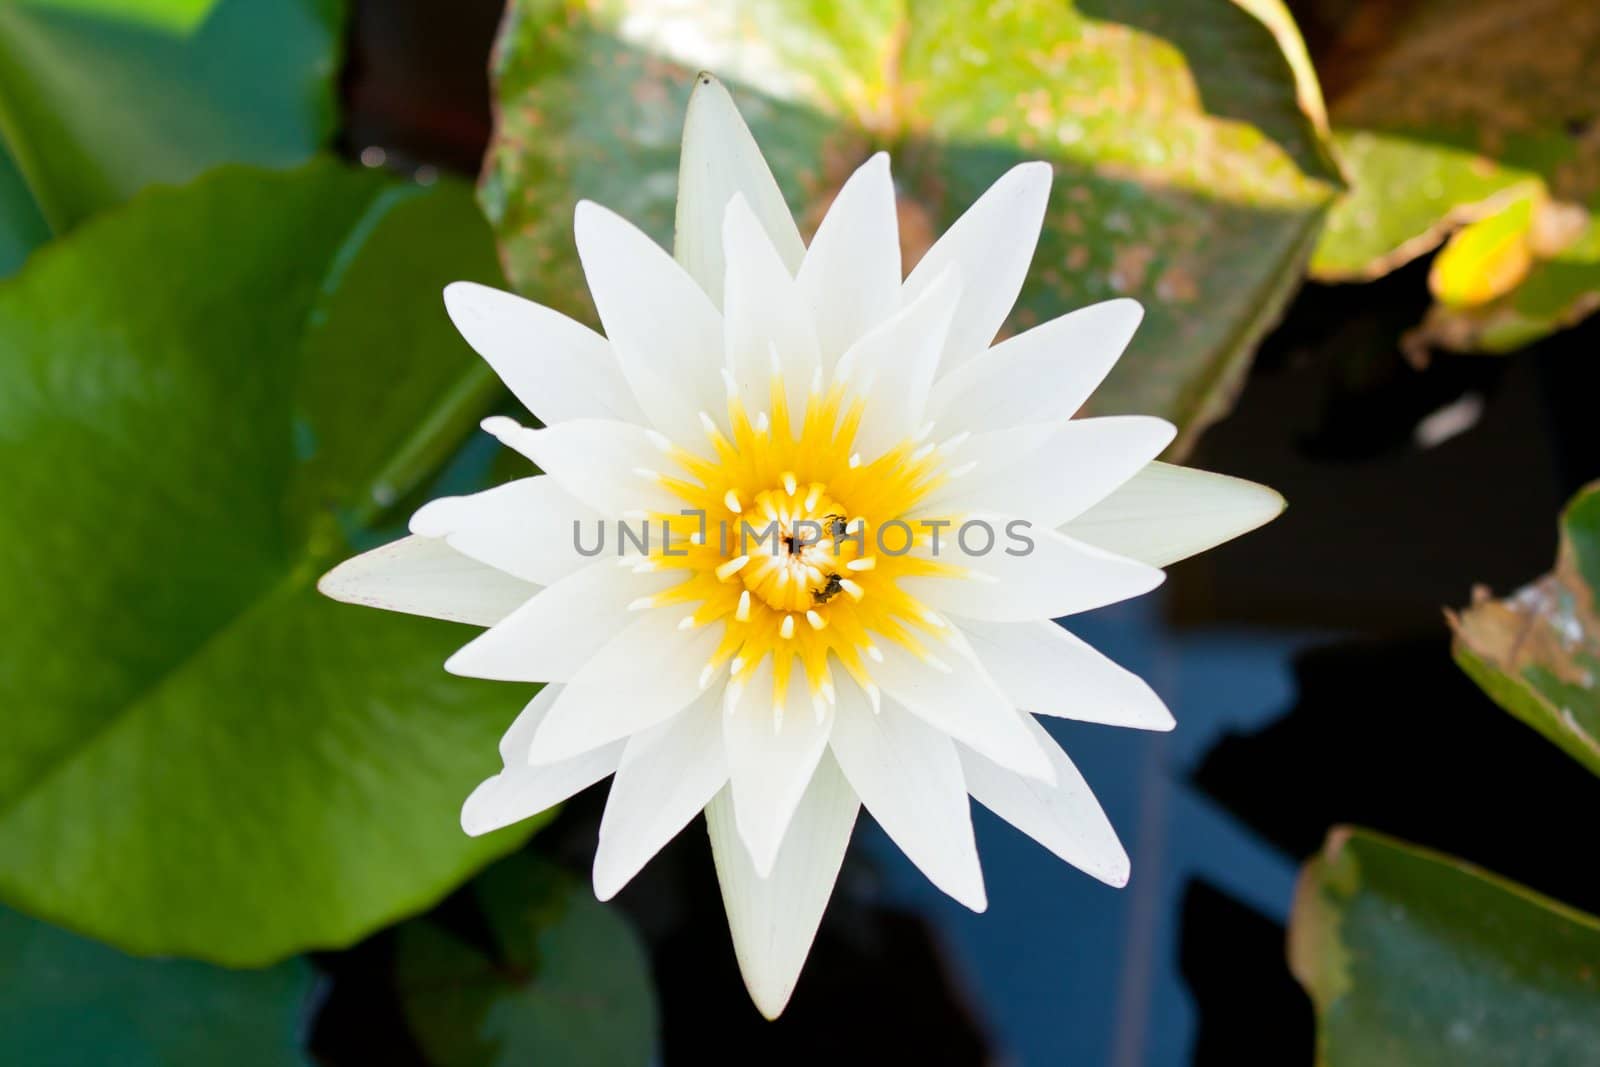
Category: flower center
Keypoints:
(798, 552)
(779, 545)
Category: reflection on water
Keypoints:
(1064, 969)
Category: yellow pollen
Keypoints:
(783, 519)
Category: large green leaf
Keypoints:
(22, 228)
(99, 98)
(174, 16)
(206, 397)
(1189, 174)
(1537, 653)
(1447, 115)
(66, 1002)
(565, 981)
(1415, 959)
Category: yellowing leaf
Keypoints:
(1487, 258)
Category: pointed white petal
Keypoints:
(668, 774)
(908, 776)
(1048, 671)
(663, 328)
(892, 367)
(774, 920)
(520, 791)
(1079, 465)
(611, 467)
(1046, 372)
(851, 274)
(643, 676)
(962, 701)
(764, 317)
(554, 634)
(558, 368)
(1167, 513)
(1065, 817)
(721, 158)
(992, 245)
(1049, 576)
(524, 528)
(771, 759)
(423, 576)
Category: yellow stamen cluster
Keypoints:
(788, 555)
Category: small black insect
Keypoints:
(836, 525)
(832, 585)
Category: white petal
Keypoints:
(518, 738)
(1049, 671)
(892, 367)
(1167, 513)
(1079, 465)
(524, 528)
(908, 776)
(958, 698)
(1048, 371)
(979, 454)
(851, 273)
(764, 317)
(662, 326)
(774, 920)
(1065, 817)
(554, 634)
(612, 467)
(558, 368)
(643, 676)
(992, 244)
(771, 758)
(423, 576)
(1050, 576)
(721, 158)
(667, 776)
(521, 791)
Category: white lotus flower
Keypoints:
(782, 686)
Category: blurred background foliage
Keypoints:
(222, 369)
(1473, 125)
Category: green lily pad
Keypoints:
(1177, 181)
(100, 98)
(1537, 653)
(565, 980)
(174, 16)
(1415, 959)
(209, 396)
(22, 228)
(66, 1001)
(1445, 115)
